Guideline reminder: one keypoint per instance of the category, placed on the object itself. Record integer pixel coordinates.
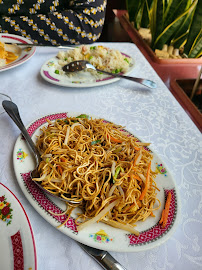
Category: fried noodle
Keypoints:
(101, 165)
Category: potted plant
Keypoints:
(171, 26)
(177, 24)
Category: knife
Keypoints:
(103, 258)
(41, 45)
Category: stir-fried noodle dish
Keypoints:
(101, 165)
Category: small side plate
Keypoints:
(76, 80)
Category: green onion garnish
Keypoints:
(95, 142)
(117, 172)
(117, 70)
(126, 59)
(83, 116)
(117, 150)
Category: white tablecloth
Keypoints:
(153, 115)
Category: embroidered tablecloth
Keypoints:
(154, 115)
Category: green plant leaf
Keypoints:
(195, 28)
(139, 16)
(133, 8)
(199, 54)
(184, 28)
(159, 17)
(156, 14)
(178, 42)
(152, 18)
(174, 9)
(196, 48)
(145, 17)
(171, 28)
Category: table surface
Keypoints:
(153, 115)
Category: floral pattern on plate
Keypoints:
(5, 210)
(21, 155)
(101, 237)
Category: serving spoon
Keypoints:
(12, 110)
(83, 64)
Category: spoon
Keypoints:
(12, 110)
(83, 64)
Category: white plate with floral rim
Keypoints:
(97, 235)
(79, 79)
(17, 240)
(25, 54)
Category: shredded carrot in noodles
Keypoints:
(82, 161)
(165, 212)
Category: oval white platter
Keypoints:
(25, 54)
(76, 80)
(17, 240)
(97, 235)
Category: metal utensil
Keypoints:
(12, 110)
(83, 64)
(103, 258)
(41, 45)
(3, 97)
